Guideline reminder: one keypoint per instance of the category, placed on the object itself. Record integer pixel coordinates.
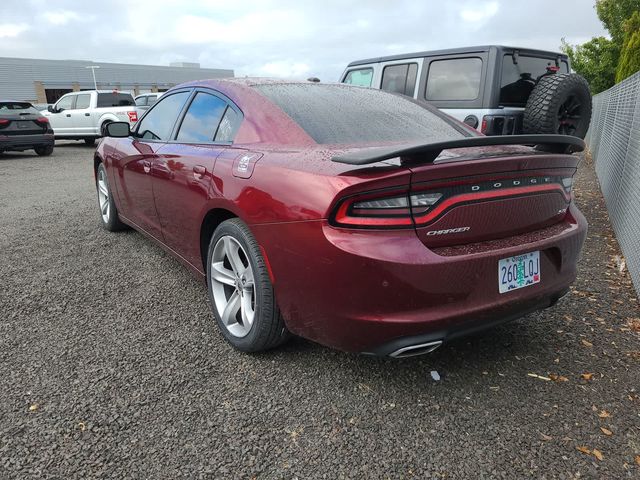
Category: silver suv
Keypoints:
(495, 89)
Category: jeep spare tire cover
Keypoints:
(559, 103)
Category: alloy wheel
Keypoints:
(103, 195)
(569, 116)
(233, 287)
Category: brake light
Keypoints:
(4, 121)
(388, 211)
(42, 120)
(483, 127)
(419, 207)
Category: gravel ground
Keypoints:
(111, 368)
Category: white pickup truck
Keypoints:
(83, 115)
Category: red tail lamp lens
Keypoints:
(384, 211)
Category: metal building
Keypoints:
(44, 81)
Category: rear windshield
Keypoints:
(115, 100)
(339, 114)
(11, 108)
(518, 79)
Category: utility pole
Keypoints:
(93, 71)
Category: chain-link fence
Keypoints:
(614, 141)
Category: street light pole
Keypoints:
(93, 71)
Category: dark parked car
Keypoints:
(353, 217)
(22, 127)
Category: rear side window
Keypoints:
(115, 100)
(454, 79)
(151, 99)
(340, 114)
(361, 77)
(158, 123)
(228, 126)
(11, 108)
(83, 101)
(141, 101)
(518, 79)
(202, 119)
(400, 78)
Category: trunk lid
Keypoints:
(489, 193)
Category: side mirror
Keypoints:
(117, 130)
(51, 109)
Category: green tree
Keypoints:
(598, 59)
(630, 56)
(595, 60)
(614, 13)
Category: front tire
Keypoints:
(44, 151)
(108, 210)
(240, 290)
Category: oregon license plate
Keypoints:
(518, 272)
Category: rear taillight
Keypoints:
(42, 120)
(405, 209)
(4, 121)
(483, 127)
(387, 211)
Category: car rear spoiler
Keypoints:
(428, 152)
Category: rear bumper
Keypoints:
(25, 142)
(374, 290)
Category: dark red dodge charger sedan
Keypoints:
(353, 217)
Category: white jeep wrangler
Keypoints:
(495, 89)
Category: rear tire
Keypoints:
(559, 104)
(108, 209)
(44, 151)
(240, 290)
(89, 142)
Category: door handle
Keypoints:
(199, 171)
(146, 166)
(87, 114)
(68, 114)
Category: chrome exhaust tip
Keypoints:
(415, 350)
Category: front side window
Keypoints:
(519, 78)
(83, 101)
(141, 101)
(400, 78)
(202, 119)
(151, 99)
(115, 100)
(454, 79)
(361, 77)
(66, 103)
(158, 123)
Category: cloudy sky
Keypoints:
(284, 38)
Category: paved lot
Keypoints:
(111, 368)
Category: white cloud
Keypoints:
(60, 18)
(9, 30)
(284, 69)
(280, 37)
(479, 13)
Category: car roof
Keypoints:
(10, 100)
(455, 51)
